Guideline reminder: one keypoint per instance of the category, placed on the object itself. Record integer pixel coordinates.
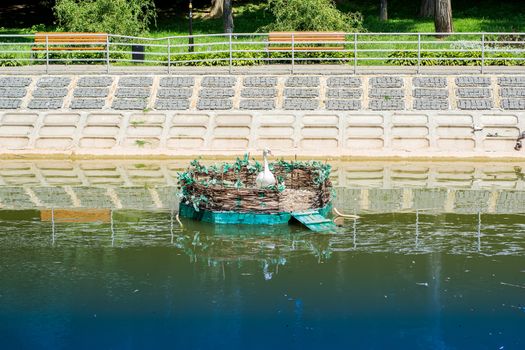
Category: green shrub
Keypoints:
(453, 58)
(510, 40)
(9, 60)
(311, 15)
(256, 58)
(217, 59)
(124, 17)
(59, 57)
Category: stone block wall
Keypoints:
(254, 93)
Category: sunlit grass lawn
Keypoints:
(250, 18)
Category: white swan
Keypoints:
(265, 177)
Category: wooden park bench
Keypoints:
(70, 41)
(305, 41)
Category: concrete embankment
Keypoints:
(420, 116)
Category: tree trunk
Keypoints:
(443, 17)
(383, 10)
(427, 8)
(216, 9)
(228, 16)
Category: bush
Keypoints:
(9, 60)
(510, 40)
(217, 59)
(256, 58)
(311, 15)
(125, 17)
(453, 58)
(62, 57)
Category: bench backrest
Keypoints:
(286, 37)
(71, 38)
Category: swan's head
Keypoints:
(267, 152)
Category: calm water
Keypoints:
(424, 267)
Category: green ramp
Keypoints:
(314, 221)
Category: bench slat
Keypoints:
(304, 48)
(68, 39)
(90, 48)
(298, 37)
(79, 41)
(306, 38)
(70, 34)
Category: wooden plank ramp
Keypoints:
(314, 221)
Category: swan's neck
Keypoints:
(266, 167)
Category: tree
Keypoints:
(224, 9)
(443, 16)
(427, 8)
(125, 17)
(216, 10)
(227, 16)
(311, 15)
(383, 10)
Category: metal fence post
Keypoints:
(107, 53)
(355, 53)
(293, 52)
(47, 53)
(418, 52)
(169, 55)
(482, 53)
(231, 58)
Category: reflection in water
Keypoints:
(479, 231)
(401, 233)
(53, 227)
(305, 290)
(417, 229)
(369, 186)
(435, 260)
(112, 229)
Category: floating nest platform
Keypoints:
(227, 193)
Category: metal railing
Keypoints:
(244, 49)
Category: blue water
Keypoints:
(370, 286)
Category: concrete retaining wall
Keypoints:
(367, 134)
(312, 115)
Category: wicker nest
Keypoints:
(300, 186)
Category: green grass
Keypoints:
(493, 16)
(490, 16)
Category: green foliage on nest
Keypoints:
(321, 173)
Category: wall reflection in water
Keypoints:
(448, 187)
(399, 233)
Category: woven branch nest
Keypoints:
(301, 186)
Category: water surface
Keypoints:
(429, 264)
